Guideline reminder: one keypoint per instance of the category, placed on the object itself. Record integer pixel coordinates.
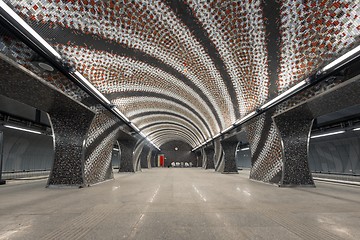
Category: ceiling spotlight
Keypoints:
(176, 148)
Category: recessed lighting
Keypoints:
(46, 66)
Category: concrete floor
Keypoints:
(179, 204)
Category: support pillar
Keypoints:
(2, 182)
(294, 127)
(153, 158)
(209, 164)
(229, 165)
(144, 157)
(127, 156)
(69, 134)
(137, 154)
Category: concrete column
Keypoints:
(99, 147)
(137, 154)
(70, 119)
(229, 149)
(144, 157)
(127, 156)
(199, 158)
(1, 157)
(294, 127)
(69, 135)
(153, 160)
(209, 164)
(265, 144)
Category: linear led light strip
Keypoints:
(327, 134)
(22, 129)
(31, 31)
(75, 74)
(347, 57)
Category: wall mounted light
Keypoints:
(244, 119)
(327, 134)
(284, 95)
(120, 115)
(22, 129)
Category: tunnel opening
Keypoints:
(178, 154)
(26, 145)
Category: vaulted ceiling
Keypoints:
(185, 70)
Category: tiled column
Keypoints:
(69, 118)
(294, 127)
(69, 134)
(229, 149)
(144, 160)
(209, 164)
(1, 160)
(153, 160)
(199, 158)
(127, 155)
(266, 149)
(137, 154)
(104, 131)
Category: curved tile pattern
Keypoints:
(313, 33)
(201, 64)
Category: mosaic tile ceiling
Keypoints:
(185, 70)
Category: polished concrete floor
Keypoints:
(179, 204)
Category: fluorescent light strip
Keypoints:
(356, 129)
(227, 129)
(217, 135)
(243, 149)
(31, 31)
(135, 127)
(115, 149)
(327, 134)
(92, 88)
(244, 119)
(347, 56)
(23, 129)
(121, 115)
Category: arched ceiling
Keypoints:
(186, 70)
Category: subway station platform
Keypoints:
(179, 203)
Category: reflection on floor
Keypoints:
(185, 203)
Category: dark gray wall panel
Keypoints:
(336, 154)
(243, 158)
(183, 154)
(27, 151)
